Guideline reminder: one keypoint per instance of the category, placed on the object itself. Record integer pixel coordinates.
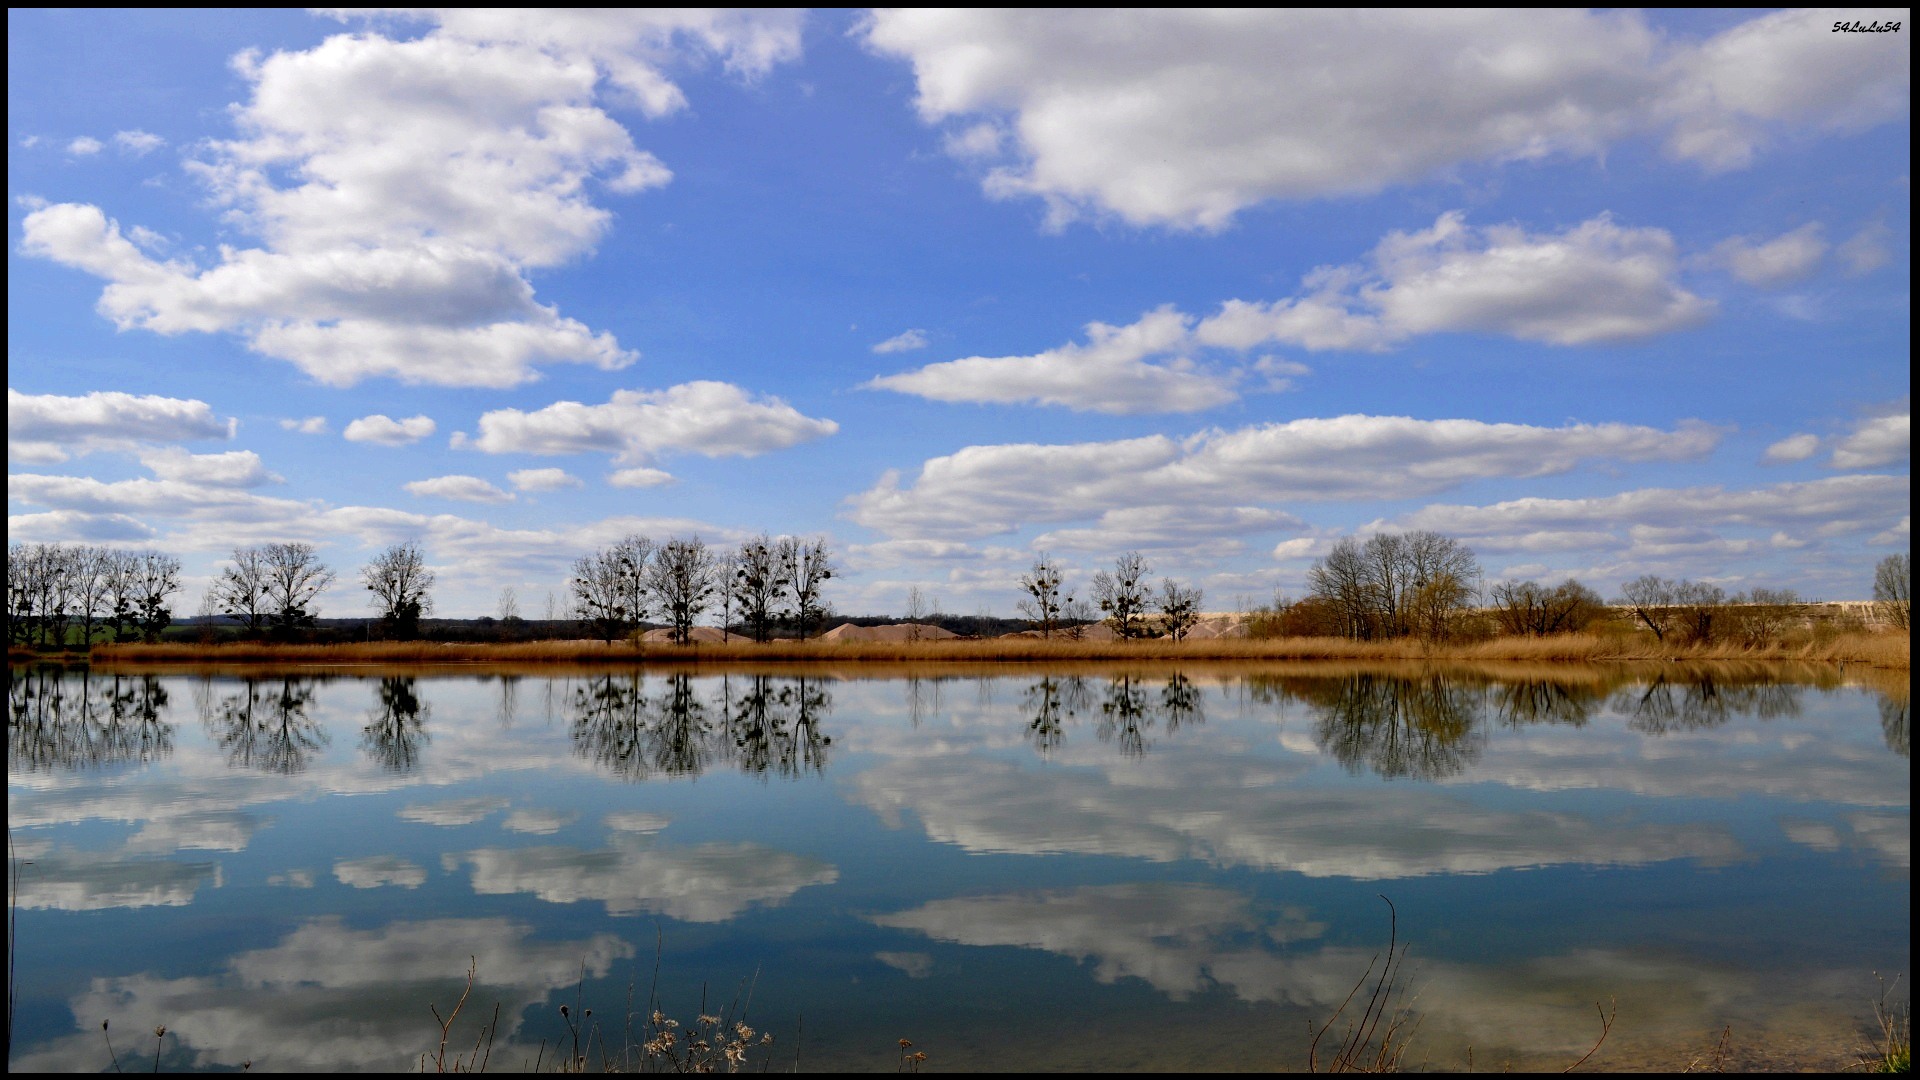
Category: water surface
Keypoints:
(1152, 869)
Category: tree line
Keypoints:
(1125, 597)
(53, 589)
(1428, 586)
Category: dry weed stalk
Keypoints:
(474, 1062)
(1367, 1046)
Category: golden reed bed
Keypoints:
(1877, 650)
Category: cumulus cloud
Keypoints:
(905, 341)
(712, 418)
(1792, 448)
(378, 870)
(1113, 372)
(708, 883)
(93, 881)
(1594, 283)
(983, 490)
(538, 822)
(383, 429)
(457, 486)
(1659, 521)
(1883, 440)
(543, 479)
(1175, 117)
(310, 425)
(451, 812)
(45, 428)
(1783, 260)
(137, 143)
(236, 468)
(641, 477)
(1866, 251)
(85, 146)
(402, 191)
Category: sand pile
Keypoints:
(894, 632)
(701, 634)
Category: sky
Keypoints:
(1597, 294)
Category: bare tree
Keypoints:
(156, 578)
(508, 607)
(295, 578)
(1528, 607)
(241, 590)
(1893, 590)
(916, 611)
(1043, 605)
(1179, 608)
(681, 579)
(1075, 616)
(759, 585)
(1341, 582)
(1123, 594)
(610, 586)
(90, 569)
(1650, 598)
(1442, 578)
(809, 566)
(401, 586)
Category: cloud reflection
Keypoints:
(708, 883)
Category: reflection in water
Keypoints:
(60, 721)
(1130, 708)
(1543, 701)
(396, 727)
(768, 726)
(1423, 728)
(265, 725)
(1893, 724)
(1702, 702)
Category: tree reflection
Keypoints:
(1523, 702)
(265, 725)
(57, 720)
(771, 727)
(1424, 728)
(775, 726)
(396, 727)
(1702, 702)
(1893, 724)
(1052, 704)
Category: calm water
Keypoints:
(1046, 871)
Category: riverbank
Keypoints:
(1882, 650)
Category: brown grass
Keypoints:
(1887, 651)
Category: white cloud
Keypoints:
(1785, 259)
(463, 488)
(1884, 440)
(1738, 91)
(452, 812)
(236, 468)
(905, 341)
(85, 146)
(640, 477)
(1866, 251)
(378, 870)
(539, 822)
(1594, 283)
(712, 418)
(138, 143)
(44, 428)
(1657, 518)
(93, 881)
(1177, 117)
(311, 425)
(1111, 373)
(709, 883)
(982, 490)
(383, 429)
(543, 479)
(1792, 448)
(430, 177)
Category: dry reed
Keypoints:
(1890, 651)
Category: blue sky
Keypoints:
(1598, 294)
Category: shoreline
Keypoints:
(1883, 651)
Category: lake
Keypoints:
(1026, 868)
